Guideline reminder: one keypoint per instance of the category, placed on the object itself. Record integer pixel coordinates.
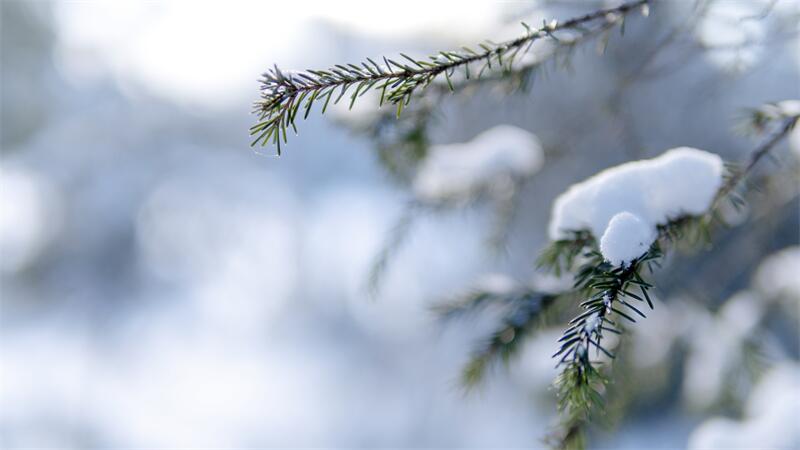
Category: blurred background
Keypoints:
(163, 284)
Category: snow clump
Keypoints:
(622, 206)
(457, 170)
(626, 238)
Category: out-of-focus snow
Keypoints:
(550, 283)
(785, 109)
(456, 170)
(777, 278)
(363, 111)
(29, 217)
(534, 368)
(156, 346)
(213, 240)
(789, 107)
(770, 417)
(715, 346)
(168, 47)
(497, 283)
(666, 323)
(794, 142)
(733, 39)
(682, 181)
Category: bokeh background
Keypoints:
(164, 285)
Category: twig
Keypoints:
(761, 151)
(284, 94)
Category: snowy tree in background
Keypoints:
(610, 234)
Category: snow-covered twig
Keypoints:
(612, 289)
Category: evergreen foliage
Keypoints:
(608, 297)
(286, 95)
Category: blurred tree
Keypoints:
(609, 251)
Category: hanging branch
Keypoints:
(786, 125)
(285, 93)
(612, 293)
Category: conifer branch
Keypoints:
(786, 125)
(619, 292)
(523, 307)
(285, 94)
(397, 236)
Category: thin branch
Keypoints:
(609, 289)
(397, 236)
(698, 12)
(762, 150)
(285, 93)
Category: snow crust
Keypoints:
(456, 170)
(682, 181)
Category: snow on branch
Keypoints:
(783, 117)
(492, 165)
(622, 206)
(457, 170)
(635, 211)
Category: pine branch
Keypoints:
(402, 144)
(787, 124)
(478, 298)
(560, 255)
(524, 308)
(613, 292)
(284, 94)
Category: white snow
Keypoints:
(550, 283)
(534, 368)
(682, 181)
(789, 107)
(715, 346)
(770, 416)
(497, 283)
(777, 278)
(735, 42)
(29, 217)
(780, 111)
(794, 142)
(626, 238)
(592, 323)
(651, 344)
(457, 170)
